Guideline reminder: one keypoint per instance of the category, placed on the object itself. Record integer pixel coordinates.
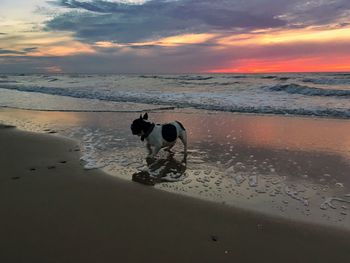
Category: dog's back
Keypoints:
(168, 133)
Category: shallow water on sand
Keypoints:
(287, 166)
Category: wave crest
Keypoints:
(204, 100)
(182, 77)
(344, 80)
(308, 91)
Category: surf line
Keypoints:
(102, 111)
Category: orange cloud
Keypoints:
(289, 39)
(46, 44)
(71, 48)
(172, 41)
(270, 37)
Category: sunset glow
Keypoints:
(203, 41)
(312, 64)
(313, 35)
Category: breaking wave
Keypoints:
(181, 77)
(308, 91)
(339, 80)
(228, 102)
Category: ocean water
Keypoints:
(309, 94)
(292, 167)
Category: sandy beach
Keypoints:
(251, 97)
(290, 167)
(52, 210)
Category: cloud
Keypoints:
(175, 36)
(7, 51)
(125, 22)
(30, 49)
(319, 12)
(16, 52)
(121, 22)
(181, 59)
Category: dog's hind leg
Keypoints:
(168, 149)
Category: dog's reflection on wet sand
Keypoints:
(161, 170)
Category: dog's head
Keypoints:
(138, 125)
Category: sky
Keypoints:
(174, 36)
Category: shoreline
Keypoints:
(75, 148)
(193, 110)
(220, 169)
(69, 214)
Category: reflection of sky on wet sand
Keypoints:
(294, 146)
(281, 165)
(39, 121)
(299, 145)
(276, 132)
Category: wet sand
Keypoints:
(52, 210)
(290, 167)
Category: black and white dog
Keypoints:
(159, 136)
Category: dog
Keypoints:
(159, 136)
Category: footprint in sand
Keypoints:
(51, 167)
(75, 150)
(62, 162)
(214, 238)
(15, 178)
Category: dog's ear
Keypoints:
(145, 116)
(141, 116)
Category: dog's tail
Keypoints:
(182, 127)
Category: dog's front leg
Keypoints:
(155, 150)
(148, 146)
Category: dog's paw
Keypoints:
(150, 160)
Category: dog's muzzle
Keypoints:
(133, 130)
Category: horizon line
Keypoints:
(171, 73)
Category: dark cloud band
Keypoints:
(15, 52)
(121, 22)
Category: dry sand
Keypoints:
(52, 210)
